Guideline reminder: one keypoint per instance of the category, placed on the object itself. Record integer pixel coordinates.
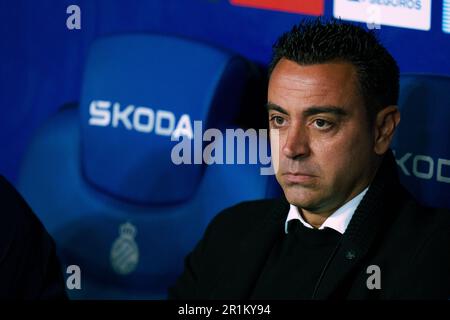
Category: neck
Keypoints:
(314, 219)
(317, 218)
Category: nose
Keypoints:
(297, 142)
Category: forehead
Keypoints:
(295, 86)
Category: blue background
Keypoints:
(43, 61)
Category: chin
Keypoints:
(298, 198)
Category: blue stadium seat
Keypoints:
(100, 175)
(422, 142)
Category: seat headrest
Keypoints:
(138, 91)
(421, 141)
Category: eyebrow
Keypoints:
(313, 110)
(273, 106)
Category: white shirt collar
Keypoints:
(338, 221)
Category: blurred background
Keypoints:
(51, 72)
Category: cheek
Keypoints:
(338, 154)
(345, 158)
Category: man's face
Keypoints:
(325, 148)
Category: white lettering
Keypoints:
(74, 20)
(142, 112)
(216, 146)
(164, 115)
(99, 115)
(183, 128)
(440, 177)
(122, 115)
(419, 174)
(428, 171)
(374, 280)
(401, 163)
(141, 119)
(74, 280)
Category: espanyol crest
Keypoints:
(124, 255)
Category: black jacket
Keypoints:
(29, 268)
(408, 242)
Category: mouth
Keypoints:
(297, 177)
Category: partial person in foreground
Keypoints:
(345, 228)
(29, 267)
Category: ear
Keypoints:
(386, 121)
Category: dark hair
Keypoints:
(318, 41)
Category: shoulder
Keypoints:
(30, 268)
(425, 229)
(428, 248)
(424, 219)
(436, 222)
(232, 224)
(247, 213)
(18, 220)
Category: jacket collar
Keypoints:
(366, 224)
(369, 221)
(251, 255)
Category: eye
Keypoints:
(322, 124)
(277, 120)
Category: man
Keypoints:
(29, 268)
(346, 228)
